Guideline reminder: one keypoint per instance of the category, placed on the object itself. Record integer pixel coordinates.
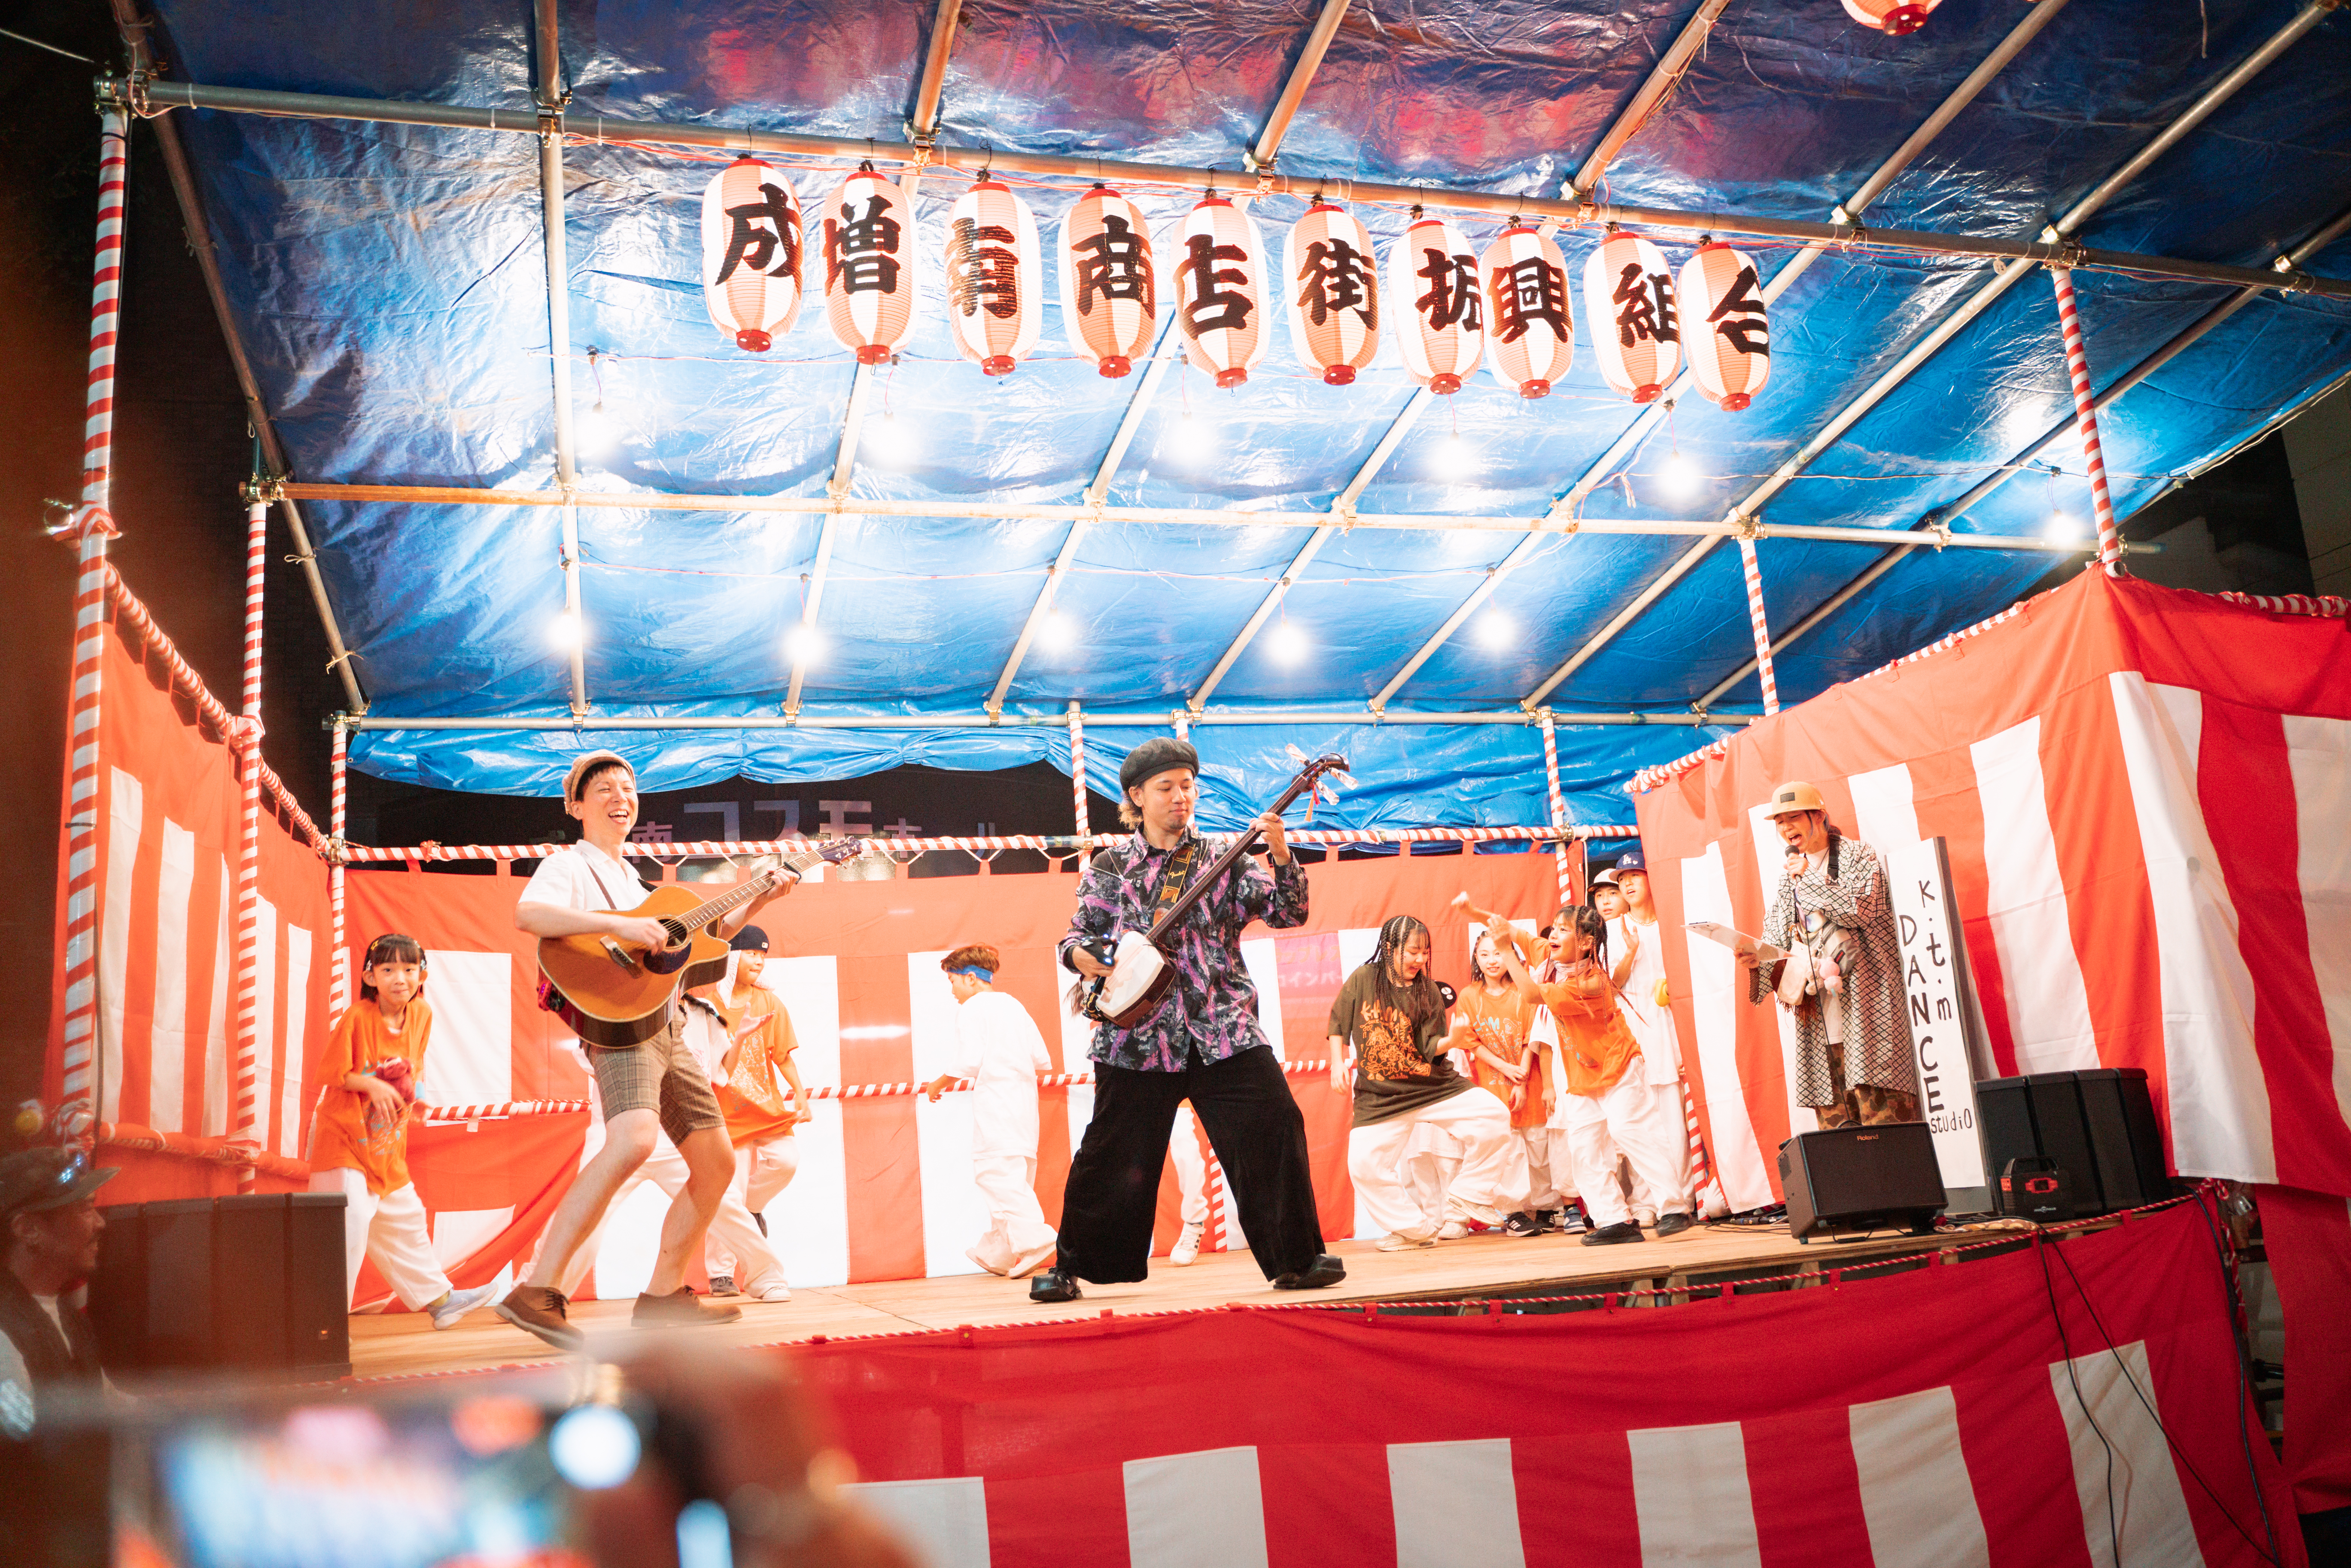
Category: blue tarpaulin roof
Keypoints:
(388, 282)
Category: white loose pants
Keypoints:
(1191, 1170)
(1546, 1151)
(762, 1170)
(1641, 1121)
(733, 1228)
(392, 1231)
(1375, 1158)
(1017, 1227)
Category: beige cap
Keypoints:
(579, 770)
(1789, 798)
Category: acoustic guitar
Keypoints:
(1142, 965)
(615, 993)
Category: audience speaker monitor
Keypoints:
(1853, 1179)
(252, 1283)
(2097, 1127)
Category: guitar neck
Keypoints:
(734, 898)
(1223, 863)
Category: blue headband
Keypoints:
(975, 971)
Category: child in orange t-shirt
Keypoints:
(1610, 1104)
(1507, 1061)
(359, 1141)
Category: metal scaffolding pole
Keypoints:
(1293, 91)
(896, 722)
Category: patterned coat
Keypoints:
(1877, 1049)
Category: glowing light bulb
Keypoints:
(803, 644)
(599, 430)
(1056, 631)
(565, 632)
(1496, 630)
(2061, 524)
(1286, 645)
(1192, 439)
(891, 440)
(1680, 475)
(1455, 458)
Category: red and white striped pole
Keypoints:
(2086, 417)
(1078, 778)
(1763, 627)
(339, 971)
(1213, 1236)
(1558, 811)
(247, 1126)
(92, 525)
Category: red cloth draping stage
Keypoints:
(1931, 1419)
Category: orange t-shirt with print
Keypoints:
(1594, 1046)
(349, 1132)
(755, 1099)
(1501, 1024)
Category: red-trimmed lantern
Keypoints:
(1217, 276)
(1629, 306)
(1332, 287)
(1725, 329)
(995, 277)
(751, 253)
(1110, 296)
(867, 234)
(1894, 16)
(1436, 304)
(1530, 328)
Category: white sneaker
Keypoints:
(777, 1291)
(975, 1255)
(1187, 1249)
(1486, 1214)
(1404, 1241)
(1454, 1231)
(457, 1303)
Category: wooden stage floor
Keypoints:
(400, 1345)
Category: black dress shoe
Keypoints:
(1326, 1269)
(1610, 1235)
(1671, 1225)
(1053, 1285)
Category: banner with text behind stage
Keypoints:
(884, 1188)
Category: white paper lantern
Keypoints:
(1634, 321)
(995, 277)
(866, 233)
(1530, 329)
(1726, 330)
(1435, 304)
(1332, 287)
(751, 253)
(1110, 295)
(1216, 282)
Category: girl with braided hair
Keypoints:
(1391, 1010)
(1610, 1105)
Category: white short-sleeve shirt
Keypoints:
(581, 877)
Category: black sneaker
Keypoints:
(723, 1285)
(1326, 1269)
(1610, 1235)
(1550, 1219)
(1053, 1285)
(1672, 1225)
(1524, 1225)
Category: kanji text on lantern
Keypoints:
(1112, 265)
(1453, 291)
(762, 236)
(1529, 291)
(861, 254)
(983, 270)
(1337, 277)
(1740, 316)
(1645, 304)
(1199, 273)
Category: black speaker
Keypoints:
(1860, 1178)
(2096, 1125)
(2124, 1137)
(253, 1284)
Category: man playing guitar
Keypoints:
(656, 1085)
(1202, 1044)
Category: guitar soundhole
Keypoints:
(677, 933)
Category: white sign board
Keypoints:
(1938, 992)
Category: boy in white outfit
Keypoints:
(1191, 1186)
(1001, 1054)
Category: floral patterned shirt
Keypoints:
(1211, 1010)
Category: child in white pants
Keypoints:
(1002, 1055)
(753, 1066)
(1392, 1011)
(1191, 1186)
(370, 1068)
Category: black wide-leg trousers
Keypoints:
(1253, 1123)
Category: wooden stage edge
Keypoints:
(1474, 1269)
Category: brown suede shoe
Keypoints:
(679, 1309)
(537, 1310)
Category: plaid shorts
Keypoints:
(660, 1074)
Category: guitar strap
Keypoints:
(1175, 878)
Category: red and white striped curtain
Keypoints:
(2144, 795)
